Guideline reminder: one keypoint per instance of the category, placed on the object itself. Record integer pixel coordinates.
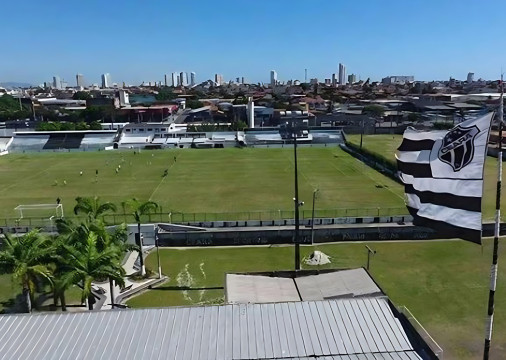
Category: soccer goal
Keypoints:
(40, 210)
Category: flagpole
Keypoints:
(493, 269)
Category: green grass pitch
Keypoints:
(200, 181)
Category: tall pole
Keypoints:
(296, 201)
(312, 216)
(493, 269)
(158, 257)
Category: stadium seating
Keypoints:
(63, 141)
(28, 143)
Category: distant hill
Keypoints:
(13, 85)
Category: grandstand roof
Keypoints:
(365, 328)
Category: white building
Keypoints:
(334, 80)
(174, 79)
(389, 80)
(192, 78)
(183, 78)
(342, 74)
(218, 79)
(106, 80)
(352, 79)
(274, 78)
(470, 78)
(80, 80)
(56, 82)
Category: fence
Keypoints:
(180, 217)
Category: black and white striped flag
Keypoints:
(443, 176)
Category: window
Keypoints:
(163, 129)
(141, 130)
(150, 129)
(127, 130)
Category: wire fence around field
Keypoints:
(181, 218)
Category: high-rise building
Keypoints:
(192, 78)
(174, 79)
(183, 78)
(352, 79)
(274, 78)
(165, 80)
(56, 82)
(470, 78)
(334, 80)
(106, 80)
(218, 79)
(242, 80)
(80, 80)
(342, 74)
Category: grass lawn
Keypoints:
(387, 145)
(444, 284)
(200, 181)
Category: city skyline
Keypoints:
(372, 39)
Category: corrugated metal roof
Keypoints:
(246, 331)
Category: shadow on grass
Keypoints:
(13, 305)
(180, 288)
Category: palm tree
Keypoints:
(92, 207)
(138, 210)
(27, 258)
(87, 264)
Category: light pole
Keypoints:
(315, 191)
(369, 253)
(296, 198)
(158, 256)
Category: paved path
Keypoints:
(130, 268)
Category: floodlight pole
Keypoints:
(296, 201)
(493, 269)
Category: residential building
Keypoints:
(352, 78)
(470, 78)
(218, 79)
(328, 82)
(56, 82)
(174, 79)
(392, 80)
(165, 80)
(183, 78)
(274, 78)
(342, 74)
(192, 78)
(334, 80)
(80, 80)
(106, 80)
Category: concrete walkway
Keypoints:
(131, 268)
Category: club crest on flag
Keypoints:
(457, 149)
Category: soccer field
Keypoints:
(198, 181)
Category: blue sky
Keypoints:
(139, 41)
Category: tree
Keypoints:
(87, 264)
(73, 234)
(374, 110)
(27, 258)
(138, 210)
(194, 104)
(92, 207)
(165, 94)
(81, 95)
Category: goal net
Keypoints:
(40, 210)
